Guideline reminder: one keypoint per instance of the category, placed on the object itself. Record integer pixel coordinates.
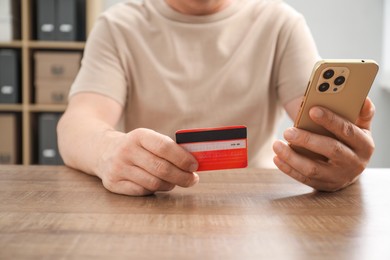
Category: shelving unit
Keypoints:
(27, 45)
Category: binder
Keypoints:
(61, 20)
(46, 20)
(81, 7)
(47, 139)
(9, 76)
(67, 20)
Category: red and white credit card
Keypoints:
(216, 148)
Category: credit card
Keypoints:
(216, 148)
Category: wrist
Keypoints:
(106, 143)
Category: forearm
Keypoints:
(82, 140)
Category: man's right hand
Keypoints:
(137, 163)
(143, 162)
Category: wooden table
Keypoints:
(58, 213)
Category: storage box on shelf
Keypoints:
(9, 138)
(54, 74)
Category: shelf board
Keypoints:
(56, 45)
(47, 107)
(12, 44)
(11, 108)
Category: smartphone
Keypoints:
(339, 85)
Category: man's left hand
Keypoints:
(348, 153)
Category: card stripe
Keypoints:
(211, 135)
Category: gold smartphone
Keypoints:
(339, 85)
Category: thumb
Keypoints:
(366, 115)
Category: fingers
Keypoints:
(312, 173)
(305, 179)
(164, 147)
(165, 160)
(163, 169)
(127, 188)
(146, 180)
(329, 147)
(345, 131)
(305, 166)
(135, 181)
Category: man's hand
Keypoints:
(143, 162)
(348, 154)
(140, 162)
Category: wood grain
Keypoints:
(53, 212)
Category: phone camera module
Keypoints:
(332, 80)
(328, 74)
(323, 87)
(339, 80)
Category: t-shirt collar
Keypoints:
(168, 12)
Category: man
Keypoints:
(166, 65)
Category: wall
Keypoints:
(353, 29)
(385, 82)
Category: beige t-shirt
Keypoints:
(172, 71)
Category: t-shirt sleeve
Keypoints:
(101, 69)
(297, 56)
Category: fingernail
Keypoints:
(290, 134)
(193, 167)
(194, 181)
(317, 112)
(196, 178)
